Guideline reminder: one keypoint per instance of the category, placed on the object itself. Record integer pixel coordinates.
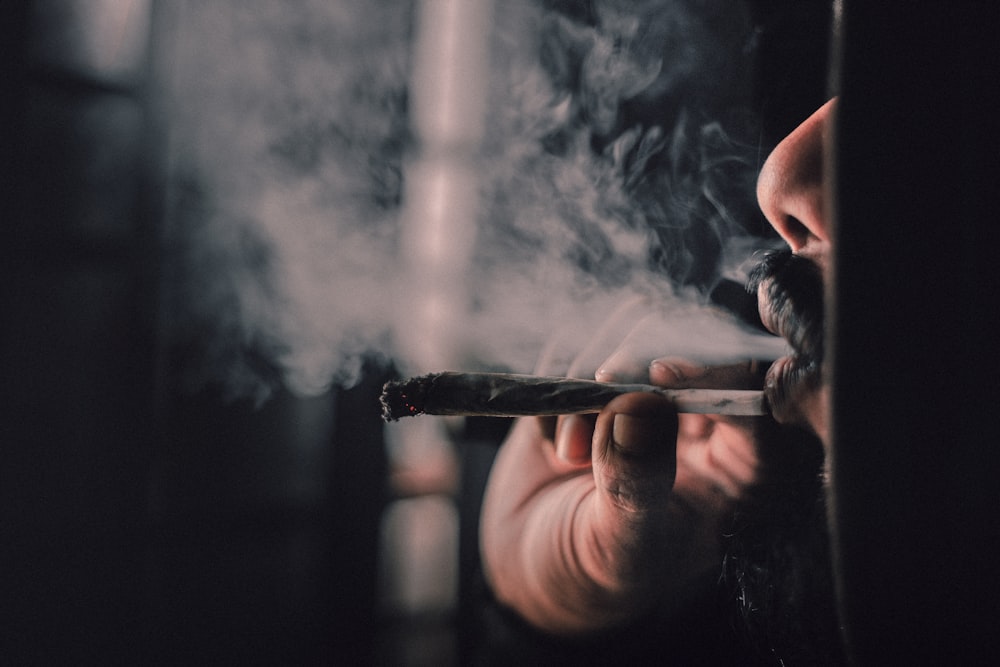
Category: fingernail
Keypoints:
(666, 372)
(672, 371)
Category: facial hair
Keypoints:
(792, 293)
(777, 571)
(776, 579)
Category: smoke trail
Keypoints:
(288, 127)
(618, 161)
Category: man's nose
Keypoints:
(790, 186)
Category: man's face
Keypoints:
(790, 284)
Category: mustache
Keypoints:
(794, 289)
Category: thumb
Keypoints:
(634, 454)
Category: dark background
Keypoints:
(142, 523)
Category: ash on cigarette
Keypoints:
(404, 398)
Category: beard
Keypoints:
(777, 571)
(777, 575)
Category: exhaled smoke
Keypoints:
(619, 160)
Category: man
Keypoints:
(906, 402)
(590, 526)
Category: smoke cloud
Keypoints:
(618, 163)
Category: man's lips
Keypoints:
(789, 298)
(776, 381)
(788, 381)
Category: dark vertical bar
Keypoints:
(916, 462)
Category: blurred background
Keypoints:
(227, 224)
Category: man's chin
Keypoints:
(796, 395)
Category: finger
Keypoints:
(607, 337)
(650, 337)
(647, 340)
(735, 451)
(547, 426)
(687, 332)
(563, 353)
(725, 458)
(629, 360)
(554, 359)
(676, 372)
(634, 453)
(574, 435)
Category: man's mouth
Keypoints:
(790, 299)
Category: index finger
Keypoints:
(706, 338)
(675, 372)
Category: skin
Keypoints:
(589, 523)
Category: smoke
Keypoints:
(619, 161)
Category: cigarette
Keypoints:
(511, 395)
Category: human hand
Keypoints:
(589, 522)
